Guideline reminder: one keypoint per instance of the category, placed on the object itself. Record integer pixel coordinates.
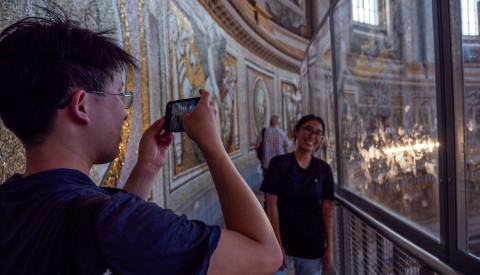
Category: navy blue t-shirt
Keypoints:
(300, 192)
(133, 236)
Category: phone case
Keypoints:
(174, 111)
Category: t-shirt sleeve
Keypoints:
(328, 191)
(271, 181)
(138, 237)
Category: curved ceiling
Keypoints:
(253, 25)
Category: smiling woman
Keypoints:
(299, 190)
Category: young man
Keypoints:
(61, 94)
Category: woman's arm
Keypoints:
(327, 212)
(272, 212)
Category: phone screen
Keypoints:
(175, 109)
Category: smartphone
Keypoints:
(174, 111)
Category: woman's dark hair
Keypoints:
(304, 120)
(42, 60)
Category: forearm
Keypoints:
(327, 212)
(141, 180)
(272, 212)
(152, 153)
(241, 209)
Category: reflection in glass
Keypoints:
(387, 111)
(469, 190)
(365, 11)
(470, 17)
(321, 92)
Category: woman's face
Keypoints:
(309, 136)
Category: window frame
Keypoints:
(446, 248)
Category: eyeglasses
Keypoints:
(127, 99)
(307, 130)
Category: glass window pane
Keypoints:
(388, 113)
(321, 92)
(365, 11)
(361, 15)
(469, 10)
(468, 136)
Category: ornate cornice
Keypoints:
(272, 51)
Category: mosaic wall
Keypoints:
(180, 48)
(198, 58)
(292, 107)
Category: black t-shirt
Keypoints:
(300, 192)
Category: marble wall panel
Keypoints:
(260, 89)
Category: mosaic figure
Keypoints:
(228, 115)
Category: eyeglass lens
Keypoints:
(127, 100)
(310, 131)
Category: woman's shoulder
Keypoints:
(281, 159)
(320, 162)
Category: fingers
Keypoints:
(165, 139)
(326, 264)
(156, 127)
(204, 97)
(156, 130)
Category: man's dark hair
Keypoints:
(41, 60)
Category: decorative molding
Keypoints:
(270, 54)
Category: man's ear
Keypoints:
(80, 105)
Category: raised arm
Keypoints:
(248, 244)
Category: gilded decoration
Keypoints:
(229, 105)
(292, 107)
(12, 154)
(93, 14)
(199, 59)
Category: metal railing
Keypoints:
(365, 246)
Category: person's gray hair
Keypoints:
(274, 119)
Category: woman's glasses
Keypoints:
(307, 130)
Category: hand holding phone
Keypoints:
(174, 111)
